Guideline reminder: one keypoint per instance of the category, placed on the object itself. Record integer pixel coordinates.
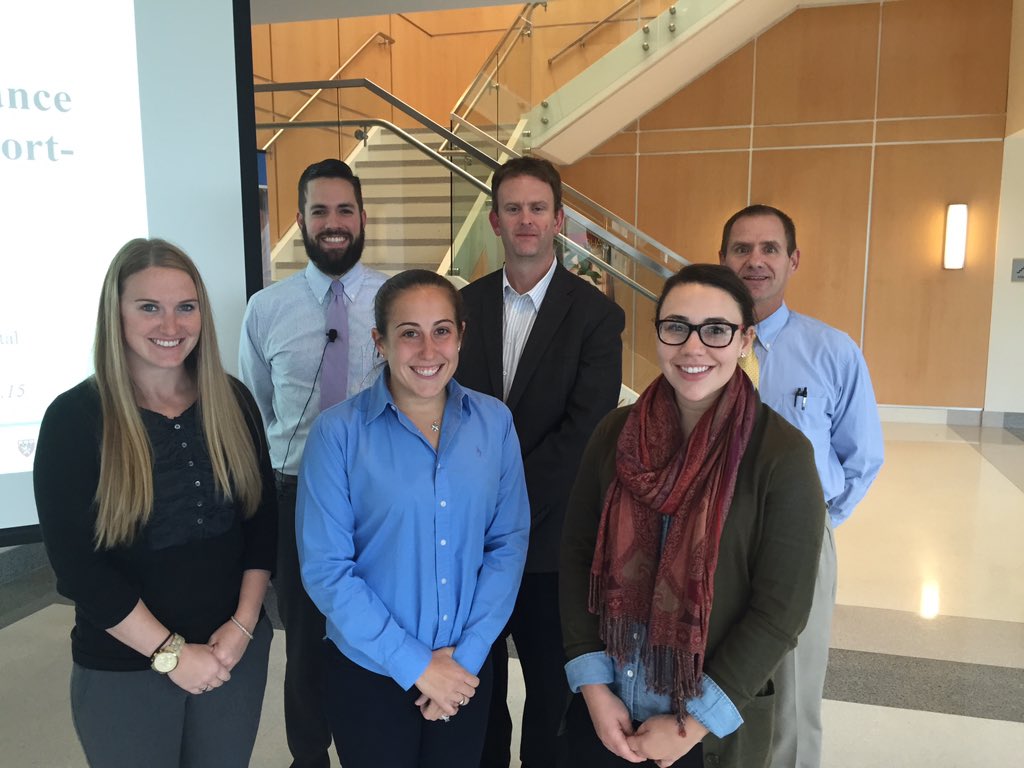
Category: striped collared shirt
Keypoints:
(519, 315)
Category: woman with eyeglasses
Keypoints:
(689, 550)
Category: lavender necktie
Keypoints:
(334, 377)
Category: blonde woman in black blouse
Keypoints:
(157, 508)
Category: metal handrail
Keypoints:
(487, 160)
(385, 39)
(582, 38)
(513, 33)
(575, 194)
(480, 186)
(376, 90)
(404, 135)
(525, 15)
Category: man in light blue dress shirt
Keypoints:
(814, 376)
(282, 347)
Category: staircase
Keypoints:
(408, 200)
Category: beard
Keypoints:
(334, 261)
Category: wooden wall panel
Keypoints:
(814, 134)
(942, 129)
(620, 143)
(683, 200)
(825, 191)
(818, 64)
(721, 96)
(549, 40)
(261, 57)
(581, 13)
(1015, 95)
(496, 18)
(304, 50)
(944, 57)
(694, 140)
(927, 329)
(610, 181)
(431, 73)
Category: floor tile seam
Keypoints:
(927, 685)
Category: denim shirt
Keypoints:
(712, 708)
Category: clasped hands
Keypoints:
(658, 738)
(444, 686)
(202, 668)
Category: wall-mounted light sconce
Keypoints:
(956, 236)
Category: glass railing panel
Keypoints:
(627, 283)
(475, 249)
(514, 91)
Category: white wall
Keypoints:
(1004, 390)
(190, 144)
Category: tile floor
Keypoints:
(942, 529)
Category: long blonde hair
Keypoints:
(124, 495)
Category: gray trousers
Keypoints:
(133, 719)
(800, 677)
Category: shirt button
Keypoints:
(198, 483)
(191, 463)
(445, 617)
(199, 520)
(629, 673)
(444, 503)
(199, 503)
(636, 636)
(184, 445)
(444, 581)
(177, 426)
(444, 542)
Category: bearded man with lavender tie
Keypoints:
(305, 346)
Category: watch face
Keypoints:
(165, 662)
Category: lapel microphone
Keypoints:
(332, 335)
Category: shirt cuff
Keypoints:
(714, 710)
(471, 652)
(590, 669)
(409, 662)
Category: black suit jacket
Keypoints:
(567, 379)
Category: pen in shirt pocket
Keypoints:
(800, 396)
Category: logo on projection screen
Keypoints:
(27, 447)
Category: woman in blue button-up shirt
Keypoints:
(412, 522)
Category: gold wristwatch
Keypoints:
(166, 658)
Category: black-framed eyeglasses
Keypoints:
(715, 334)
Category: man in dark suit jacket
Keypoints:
(549, 344)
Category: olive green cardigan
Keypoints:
(767, 563)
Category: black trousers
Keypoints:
(587, 751)
(309, 735)
(536, 630)
(376, 723)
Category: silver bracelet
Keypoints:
(244, 631)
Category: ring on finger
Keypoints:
(446, 718)
(464, 702)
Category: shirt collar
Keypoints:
(320, 284)
(536, 293)
(380, 397)
(769, 328)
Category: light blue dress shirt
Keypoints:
(282, 344)
(406, 550)
(838, 414)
